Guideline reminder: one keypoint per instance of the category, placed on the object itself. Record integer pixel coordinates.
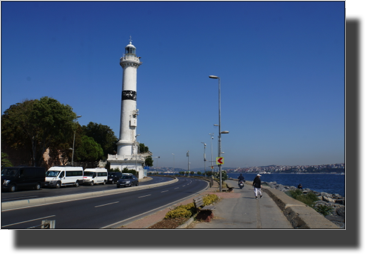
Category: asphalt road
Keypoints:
(103, 212)
(51, 192)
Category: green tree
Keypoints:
(103, 135)
(126, 170)
(5, 161)
(224, 175)
(89, 151)
(38, 125)
(149, 161)
(143, 148)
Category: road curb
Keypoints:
(13, 205)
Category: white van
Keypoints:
(95, 176)
(58, 176)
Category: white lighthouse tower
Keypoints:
(127, 147)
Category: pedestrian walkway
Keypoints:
(240, 210)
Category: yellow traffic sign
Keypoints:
(220, 160)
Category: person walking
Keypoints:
(257, 186)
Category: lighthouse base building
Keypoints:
(128, 155)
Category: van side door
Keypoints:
(62, 177)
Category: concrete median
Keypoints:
(72, 197)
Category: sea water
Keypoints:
(330, 183)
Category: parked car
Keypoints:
(127, 179)
(113, 177)
(95, 176)
(58, 176)
(14, 178)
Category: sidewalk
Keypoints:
(240, 210)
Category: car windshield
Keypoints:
(52, 173)
(12, 172)
(88, 173)
(126, 177)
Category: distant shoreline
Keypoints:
(330, 173)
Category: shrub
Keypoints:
(309, 199)
(186, 211)
(190, 207)
(324, 209)
(178, 213)
(294, 193)
(210, 199)
(312, 196)
(306, 200)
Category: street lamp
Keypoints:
(158, 157)
(188, 163)
(212, 138)
(173, 162)
(220, 133)
(204, 156)
(72, 155)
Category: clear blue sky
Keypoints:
(281, 66)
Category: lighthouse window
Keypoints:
(131, 50)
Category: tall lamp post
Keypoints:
(72, 155)
(220, 133)
(158, 157)
(204, 156)
(212, 138)
(188, 163)
(173, 162)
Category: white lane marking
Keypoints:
(177, 188)
(144, 196)
(107, 204)
(28, 221)
(164, 191)
(154, 210)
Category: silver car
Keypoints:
(127, 180)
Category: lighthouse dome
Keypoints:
(130, 45)
(130, 49)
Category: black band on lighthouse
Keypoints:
(128, 95)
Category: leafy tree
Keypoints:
(38, 125)
(126, 170)
(103, 135)
(224, 176)
(149, 161)
(89, 151)
(5, 161)
(143, 148)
